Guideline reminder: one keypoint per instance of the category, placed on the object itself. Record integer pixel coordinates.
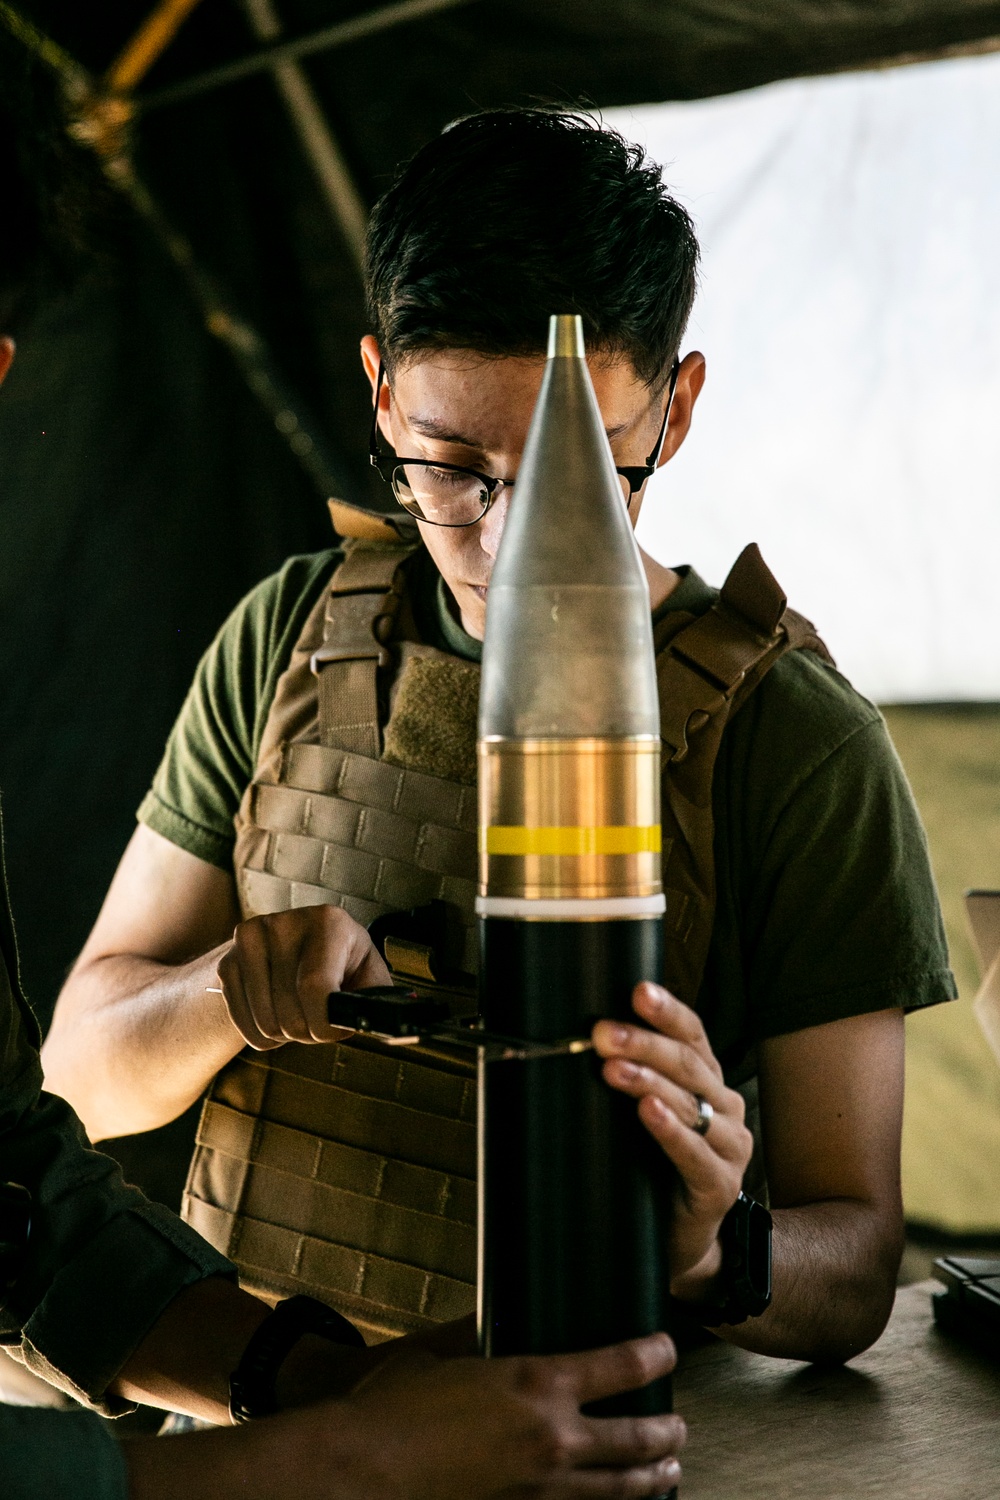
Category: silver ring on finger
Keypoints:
(706, 1115)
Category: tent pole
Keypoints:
(347, 207)
(153, 37)
(337, 35)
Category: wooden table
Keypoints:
(915, 1418)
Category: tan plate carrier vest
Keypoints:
(349, 1170)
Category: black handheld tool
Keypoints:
(404, 1018)
(387, 1012)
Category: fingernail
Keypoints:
(618, 1034)
(626, 1069)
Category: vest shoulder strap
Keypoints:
(707, 667)
(361, 606)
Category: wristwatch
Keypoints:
(742, 1288)
(251, 1385)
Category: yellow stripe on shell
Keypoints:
(498, 839)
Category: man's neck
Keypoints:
(662, 581)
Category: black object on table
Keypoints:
(969, 1307)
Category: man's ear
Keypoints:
(6, 356)
(690, 379)
(371, 359)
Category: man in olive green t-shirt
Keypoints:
(827, 926)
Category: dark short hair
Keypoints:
(514, 214)
(51, 192)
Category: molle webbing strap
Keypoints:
(361, 606)
(384, 844)
(363, 834)
(707, 666)
(347, 1170)
(382, 1297)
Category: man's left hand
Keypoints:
(667, 1070)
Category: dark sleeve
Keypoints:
(842, 915)
(103, 1263)
(48, 1453)
(211, 752)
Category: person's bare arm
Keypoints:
(137, 1033)
(184, 1362)
(136, 1036)
(831, 1113)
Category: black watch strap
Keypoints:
(251, 1385)
(743, 1286)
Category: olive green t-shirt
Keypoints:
(826, 903)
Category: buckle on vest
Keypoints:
(370, 651)
(356, 625)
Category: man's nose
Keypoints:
(492, 525)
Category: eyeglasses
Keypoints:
(450, 495)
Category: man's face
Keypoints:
(459, 407)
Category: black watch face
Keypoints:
(757, 1258)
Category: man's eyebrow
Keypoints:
(435, 427)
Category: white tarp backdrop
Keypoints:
(850, 316)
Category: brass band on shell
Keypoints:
(572, 818)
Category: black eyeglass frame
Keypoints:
(386, 464)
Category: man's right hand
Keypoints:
(473, 1429)
(280, 970)
(138, 1032)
